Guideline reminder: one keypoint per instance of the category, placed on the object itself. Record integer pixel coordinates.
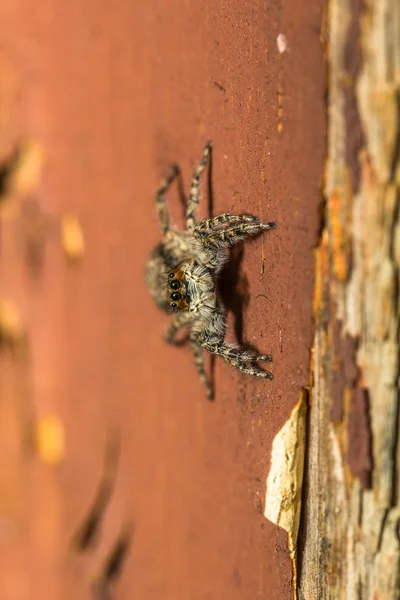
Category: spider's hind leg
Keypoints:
(195, 188)
(163, 214)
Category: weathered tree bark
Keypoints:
(97, 99)
(349, 531)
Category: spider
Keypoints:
(182, 274)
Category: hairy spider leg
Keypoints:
(195, 188)
(199, 363)
(238, 233)
(246, 355)
(225, 218)
(242, 355)
(239, 358)
(163, 214)
(180, 319)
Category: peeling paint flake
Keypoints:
(285, 478)
(281, 42)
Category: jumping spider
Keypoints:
(182, 274)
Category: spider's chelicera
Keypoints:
(183, 270)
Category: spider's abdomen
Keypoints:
(156, 275)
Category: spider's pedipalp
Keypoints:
(179, 320)
(199, 364)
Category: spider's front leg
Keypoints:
(179, 320)
(224, 219)
(162, 209)
(245, 226)
(243, 360)
(195, 188)
(199, 363)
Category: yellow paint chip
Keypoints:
(285, 478)
(11, 328)
(72, 237)
(26, 175)
(50, 439)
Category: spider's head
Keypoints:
(178, 292)
(191, 287)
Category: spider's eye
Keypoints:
(171, 275)
(176, 296)
(173, 305)
(175, 284)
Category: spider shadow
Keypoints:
(233, 288)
